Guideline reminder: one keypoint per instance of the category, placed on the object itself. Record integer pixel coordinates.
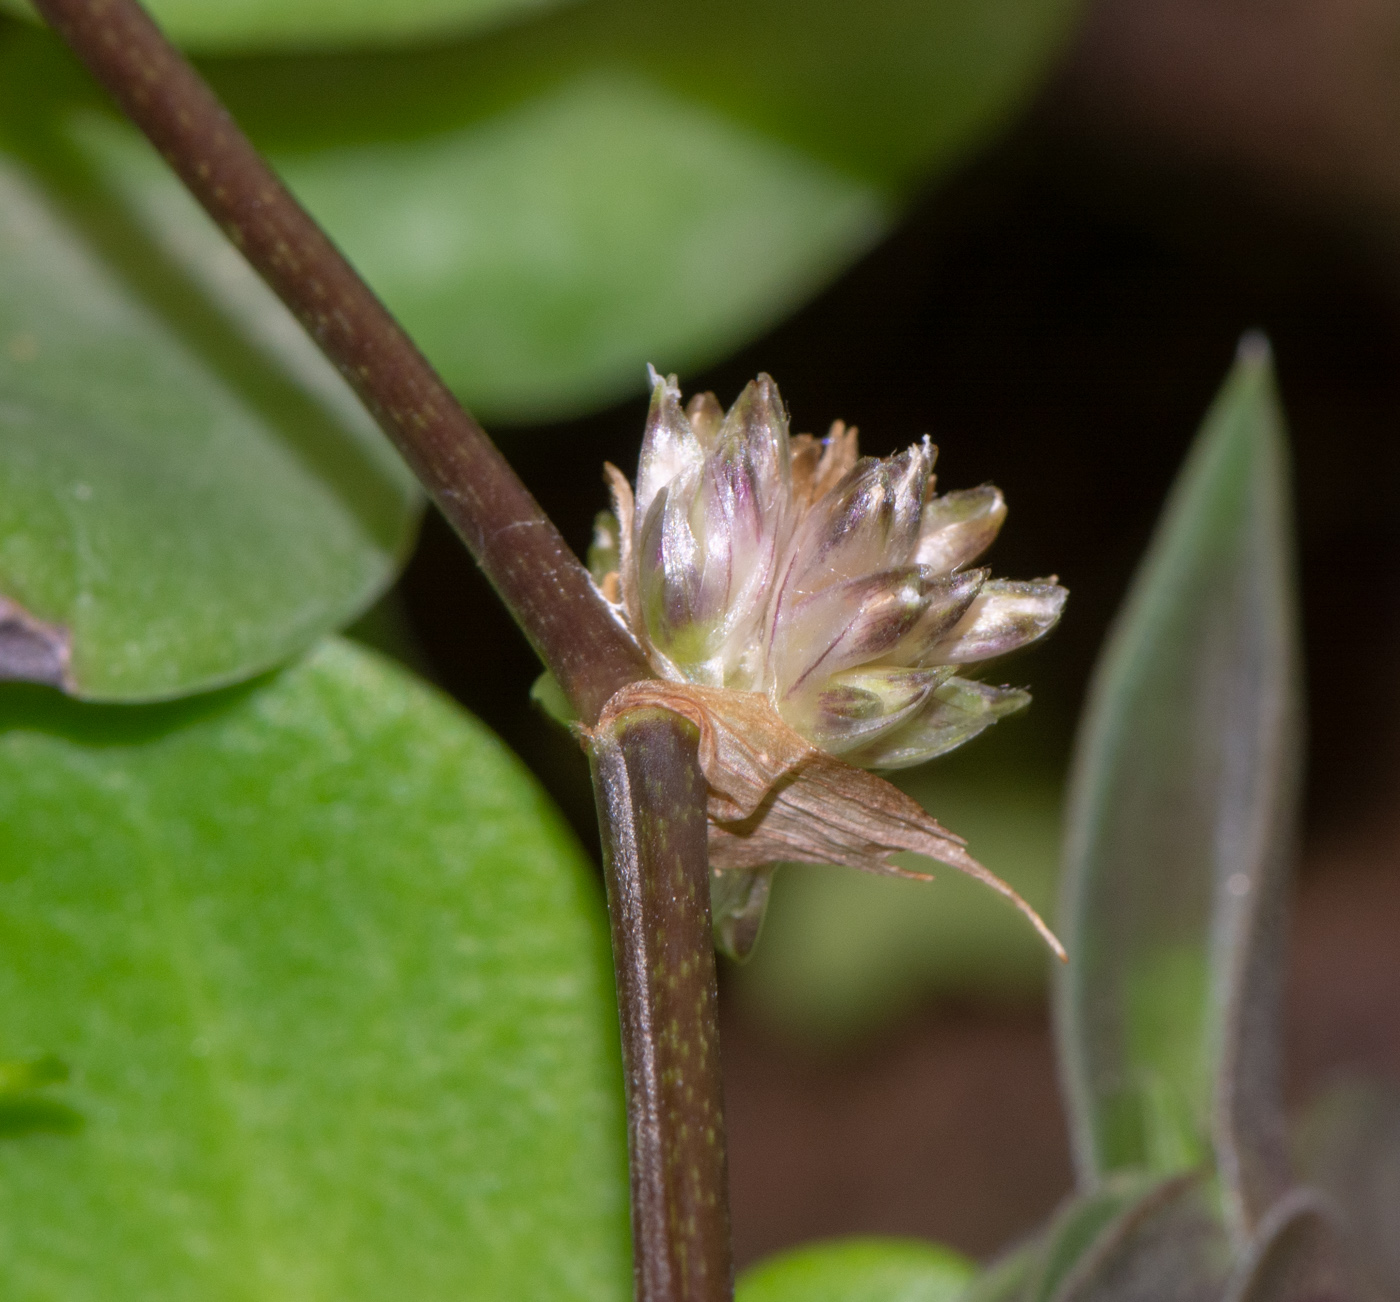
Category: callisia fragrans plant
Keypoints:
(815, 613)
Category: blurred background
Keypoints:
(1034, 229)
(1056, 307)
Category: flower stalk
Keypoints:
(651, 810)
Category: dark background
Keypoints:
(1058, 317)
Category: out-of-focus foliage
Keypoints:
(1133, 1239)
(186, 486)
(330, 981)
(1181, 824)
(552, 205)
(242, 25)
(858, 1270)
(844, 953)
(1179, 835)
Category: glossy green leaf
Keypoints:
(331, 982)
(552, 206)
(843, 953)
(1180, 827)
(189, 494)
(242, 25)
(858, 1270)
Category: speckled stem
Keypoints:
(515, 543)
(651, 811)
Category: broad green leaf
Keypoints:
(331, 982)
(189, 494)
(858, 1270)
(240, 25)
(842, 953)
(552, 206)
(1180, 827)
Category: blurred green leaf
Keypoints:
(1167, 1244)
(1008, 1277)
(188, 491)
(334, 985)
(1133, 1238)
(553, 205)
(242, 25)
(858, 1270)
(844, 953)
(1180, 827)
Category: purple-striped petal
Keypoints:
(846, 625)
(853, 709)
(1005, 616)
(669, 446)
(956, 712)
(869, 521)
(957, 528)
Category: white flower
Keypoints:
(836, 586)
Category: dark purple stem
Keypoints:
(651, 793)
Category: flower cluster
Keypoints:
(835, 585)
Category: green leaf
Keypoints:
(1168, 1243)
(1133, 1238)
(1180, 827)
(241, 25)
(844, 953)
(858, 1270)
(189, 494)
(333, 983)
(554, 205)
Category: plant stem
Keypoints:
(515, 543)
(650, 790)
(650, 793)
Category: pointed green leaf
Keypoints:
(1180, 827)
(331, 982)
(189, 494)
(858, 1270)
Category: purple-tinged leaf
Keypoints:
(1180, 829)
